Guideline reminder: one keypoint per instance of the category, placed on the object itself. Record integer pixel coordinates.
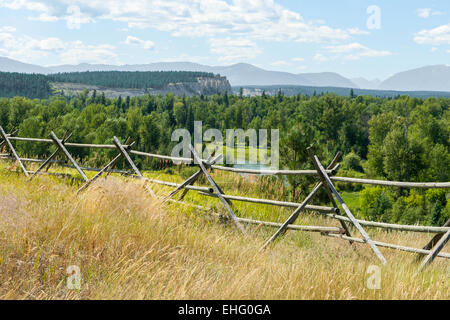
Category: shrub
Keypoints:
(436, 214)
(345, 186)
(352, 161)
(375, 203)
(436, 195)
(410, 210)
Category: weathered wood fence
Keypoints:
(326, 177)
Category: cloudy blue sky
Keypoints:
(373, 39)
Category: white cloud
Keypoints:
(424, 12)
(22, 47)
(320, 57)
(436, 36)
(146, 44)
(355, 50)
(230, 49)
(45, 17)
(427, 12)
(256, 19)
(51, 11)
(78, 52)
(234, 28)
(50, 44)
(298, 59)
(280, 63)
(7, 29)
(357, 31)
(76, 18)
(19, 4)
(186, 57)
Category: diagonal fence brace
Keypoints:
(430, 245)
(107, 167)
(210, 161)
(49, 159)
(192, 179)
(132, 164)
(216, 189)
(111, 168)
(61, 146)
(11, 147)
(297, 211)
(321, 171)
(9, 135)
(293, 216)
(435, 250)
(327, 189)
(65, 138)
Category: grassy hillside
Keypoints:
(129, 246)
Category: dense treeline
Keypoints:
(20, 84)
(38, 85)
(341, 91)
(129, 79)
(397, 139)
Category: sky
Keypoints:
(355, 38)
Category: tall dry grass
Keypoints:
(129, 246)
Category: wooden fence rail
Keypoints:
(178, 160)
(327, 176)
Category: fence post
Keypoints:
(294, 215)
(435, 250)
(433, 241)
(366, 237)
(105, 168)
(9, 135)
(216, 189)
(130, 161)
(297, 211)
(333, 163)
(64, 150)
(6, 139)
(210, 161)
(114, 165)
(47, 161)
(191, 179)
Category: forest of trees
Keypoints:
(129, 79)
(27, 85)
(405, 139)
(38, 85)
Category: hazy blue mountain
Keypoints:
(161, 66)
(430, 78)
(237, 74)
(328, 79)
(81, 68)
(247, 74)
(363, 83)
(10, 65)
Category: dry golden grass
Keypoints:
(129, 246)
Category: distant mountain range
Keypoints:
(428, 78)
(366, 84)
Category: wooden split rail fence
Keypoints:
(326, 178)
